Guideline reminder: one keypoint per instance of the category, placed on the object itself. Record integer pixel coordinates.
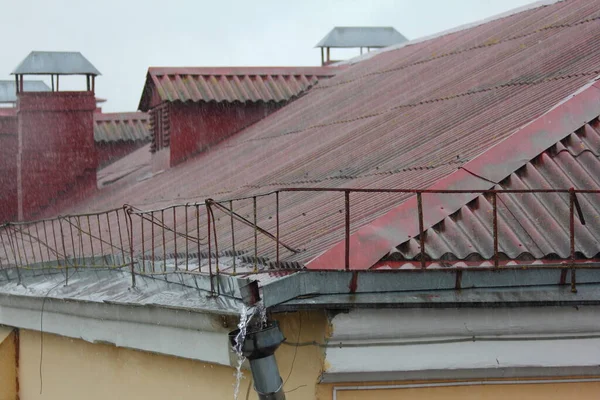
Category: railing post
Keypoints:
(143, 245)
(495, 228)
(572, 238)
(208, 223)
(232, 236)
(421, 228)
(130, 234)
(255, 237)
(175, 235)
(277, 229)
(187, 245)
(347, 223)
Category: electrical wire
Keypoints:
(296, 349)
(42, 324)
(340, 345)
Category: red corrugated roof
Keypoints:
(230, 84)
(510, 158)
(115, 127)
(403, 118)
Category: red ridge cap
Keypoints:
(373, 241)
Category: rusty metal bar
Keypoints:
(31, 244)
(175, 233)
(347, 224)
(209, 221)
(255, 236)
(55, 244)
(23, 247)
(277, 228)
(120, 235)
(421, 229)
(578, 208)
(4, 245)
(187, 252)
(572, 238)
(39, 240)
(214, 226)
(232, 237)
(495, 228)
(152, 233)
(109, 235)
(73, 240)
(249, 223)
(91, 241)
(439, 191)
(198, 236)
(62, 236)
(101, 241)
(46, 241)
(79, 235)
(164, 243)
(130, 239)
(13, 245)
(143, 245)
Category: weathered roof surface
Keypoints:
(55, 62)
(231, 84)
(524, 233)
(402, 118)
(8, 89)
(127, 169)
(362, 36)
(116, 127)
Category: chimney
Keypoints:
(9, 145)
(56, 157)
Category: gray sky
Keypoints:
(122, 38)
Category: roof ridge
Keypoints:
(372, 241)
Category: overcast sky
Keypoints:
(122, 38)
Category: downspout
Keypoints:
(259, 348)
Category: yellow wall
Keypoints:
(78, 369)
(8, 370)
(74, 369)
(532, 391)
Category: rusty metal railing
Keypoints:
(238, 236)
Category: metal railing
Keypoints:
(229, 237)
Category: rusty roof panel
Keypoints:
(407, 117)
(115, 127)
(529, 226)
(243, 84)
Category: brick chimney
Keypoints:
(9, 145)
(56, 157)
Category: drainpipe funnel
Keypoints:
(259, 348)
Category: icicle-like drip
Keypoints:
(246, 314)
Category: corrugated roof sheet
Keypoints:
(362, 36)
(8, 90)
(402, 118)
(231, 84)
(116, 127)
(529, 226)
(55, 62)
